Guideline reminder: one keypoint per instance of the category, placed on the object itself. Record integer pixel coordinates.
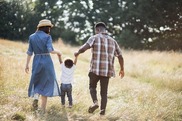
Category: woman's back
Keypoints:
(40, 42)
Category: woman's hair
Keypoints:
(46, 29)
(68, 63)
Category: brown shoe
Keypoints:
(92, 108)
(35, 104)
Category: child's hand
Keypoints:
(59, 57)
(59, 54)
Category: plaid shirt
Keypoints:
(104, 50)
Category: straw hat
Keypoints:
(44, 22)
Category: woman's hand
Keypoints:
(27, 64)
(27, 69)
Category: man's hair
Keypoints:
(68, 63)
(101, 28)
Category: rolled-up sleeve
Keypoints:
(49, 44)
(90, 41)
(30, 48)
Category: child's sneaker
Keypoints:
(63, 105)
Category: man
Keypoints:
(104, 50)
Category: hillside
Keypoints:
(150, 91)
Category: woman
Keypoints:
(43, 79)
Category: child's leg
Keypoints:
(70, 99)
(69, 94)
(62, 88)
(63, 98)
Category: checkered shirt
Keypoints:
(104, 49)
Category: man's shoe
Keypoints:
(102, 112)
(92, 108)
(35, 104)
(70, 106)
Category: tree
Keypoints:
(20, 18)
(136, 24)
(141, 24)
(3, 21)
(49, 9)
(11, 21)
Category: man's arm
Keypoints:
(121, 63)
(82, 49)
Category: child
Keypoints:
(68, 68)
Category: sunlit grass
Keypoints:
(162, 69)
(150, 91)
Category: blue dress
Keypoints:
(43, 79)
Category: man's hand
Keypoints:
(76, 54)
(121, 73)
(82, 49)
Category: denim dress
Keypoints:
(43, 79)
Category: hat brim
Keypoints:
(41, 25)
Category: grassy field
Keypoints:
(150, 91)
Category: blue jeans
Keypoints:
(66, 89)
(104, 81)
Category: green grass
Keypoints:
(150, 91)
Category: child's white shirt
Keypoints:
(67, 75)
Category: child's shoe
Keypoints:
(63, 105)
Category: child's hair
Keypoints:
(68, 63)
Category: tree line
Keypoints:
(135, 24)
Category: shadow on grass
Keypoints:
(56, 113)
(77, 117)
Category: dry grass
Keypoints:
(150, 91)
(162, 69)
